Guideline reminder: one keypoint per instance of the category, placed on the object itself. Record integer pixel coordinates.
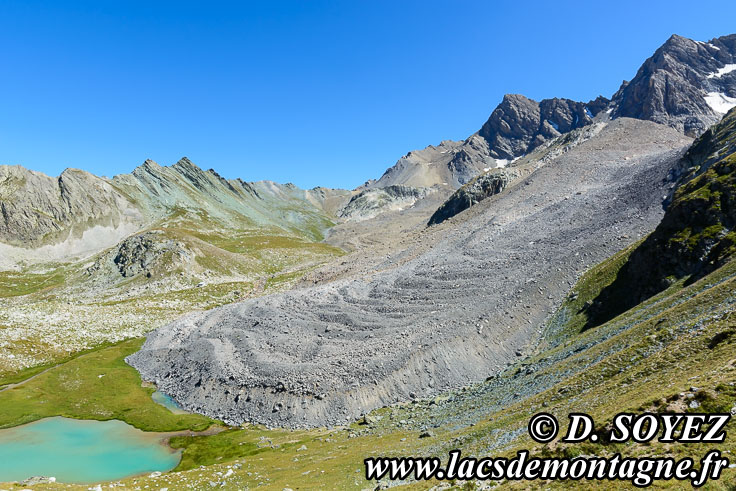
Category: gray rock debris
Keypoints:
(324, 355)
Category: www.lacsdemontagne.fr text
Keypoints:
(543, 427)
(640, 472)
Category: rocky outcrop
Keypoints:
(139, 253)
(696, 235)
(686, 84)
(370, 202)
(474, 192)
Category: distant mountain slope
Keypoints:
(79, 213)
(696, 235)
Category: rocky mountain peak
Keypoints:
(519, 124)
(185, 162)
(150, 163)
(685, 84)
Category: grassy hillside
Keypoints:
(696, 235)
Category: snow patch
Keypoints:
(714, 47)
(722, 71)
(554, 125)
(501, 162)
(720, 102)
(587, 111)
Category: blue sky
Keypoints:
(314, 93)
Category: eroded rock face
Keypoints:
(36, 209)
(453, 313)
(686, 84)
(482, 187)
(495, 181)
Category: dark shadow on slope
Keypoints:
(696, 235)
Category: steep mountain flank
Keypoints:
(696, 235)
(686, 84)
(36, 209)
(496, 180)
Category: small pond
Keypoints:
(167, 402)
(75, 451)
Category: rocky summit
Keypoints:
(686, 84)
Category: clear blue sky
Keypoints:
(315, 93)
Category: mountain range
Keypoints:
(568, 256)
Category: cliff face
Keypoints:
(696, 235)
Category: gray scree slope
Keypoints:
(454, 314)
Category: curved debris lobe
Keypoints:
(454, 314)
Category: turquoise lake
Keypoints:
(81, 452)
